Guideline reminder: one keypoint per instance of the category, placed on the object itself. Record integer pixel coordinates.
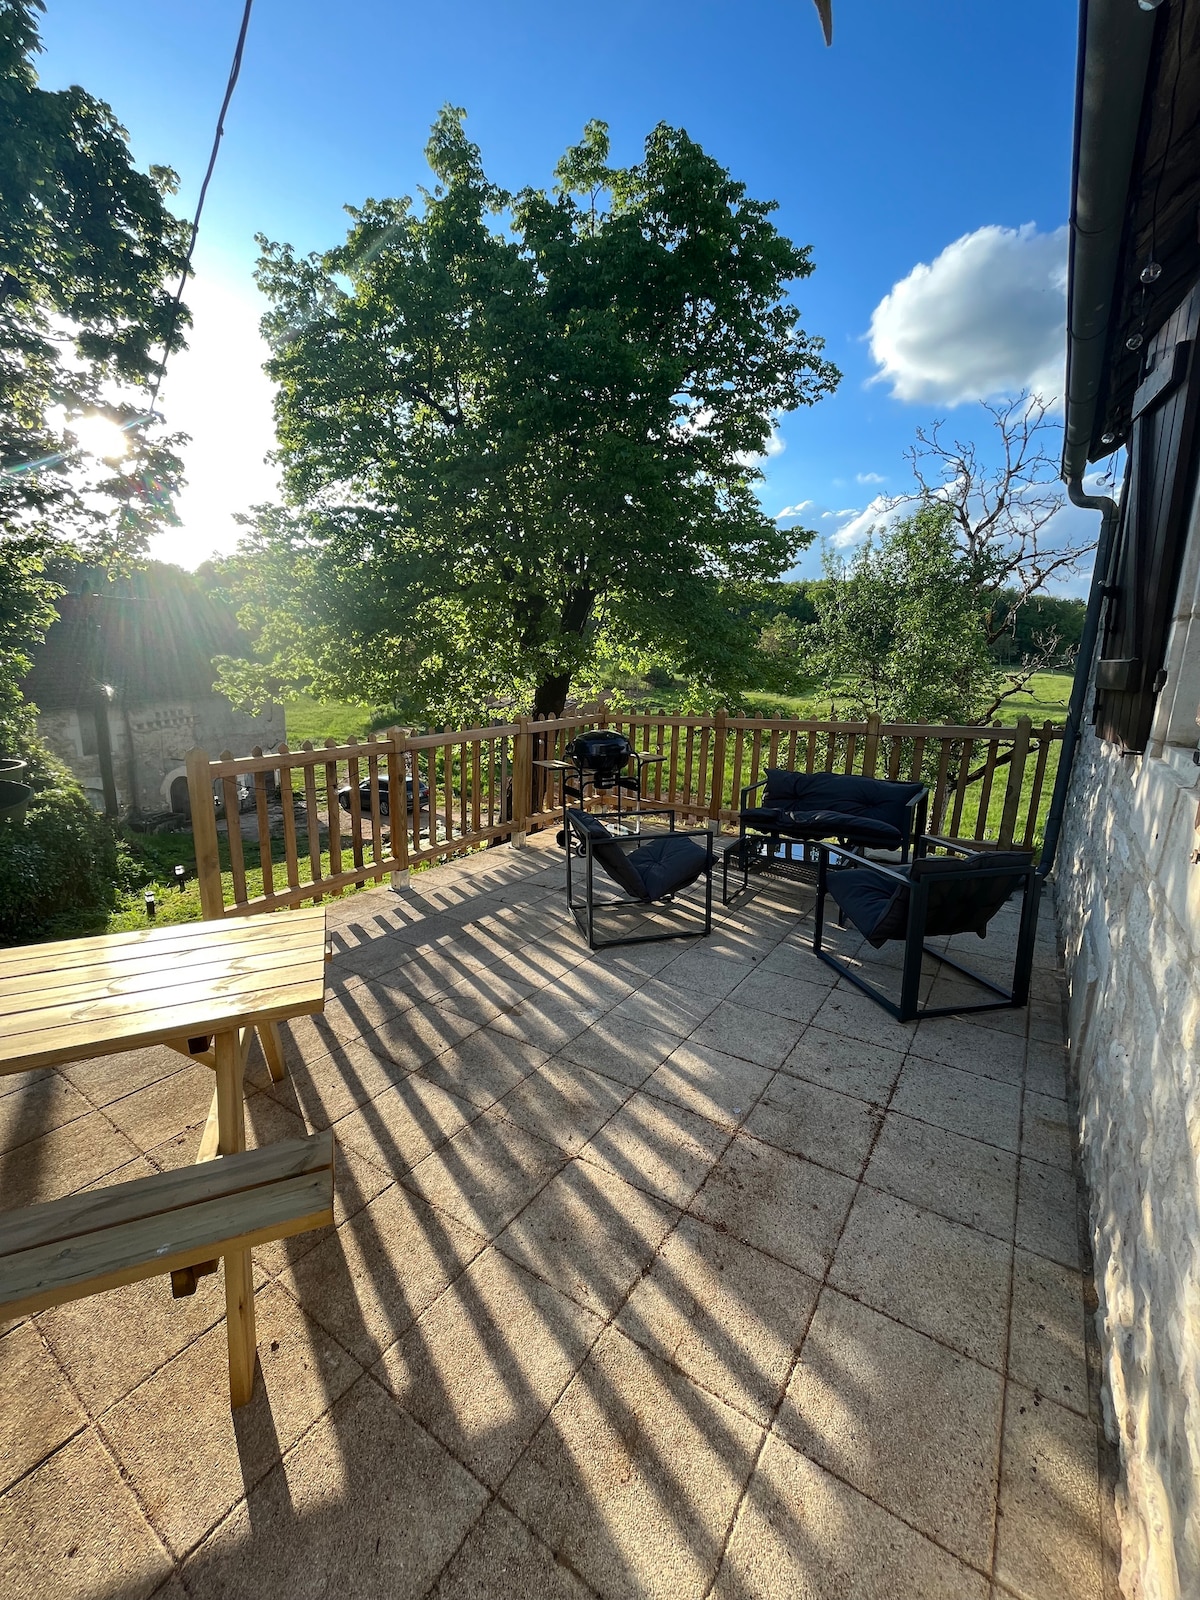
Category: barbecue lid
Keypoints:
(601, 747)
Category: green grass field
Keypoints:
(1044, 700)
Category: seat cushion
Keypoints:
(959, 900)
(668, 863)
(766, 817)
(861, 830)
(876, 906)
(881, 799)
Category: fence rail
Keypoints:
(334, 815)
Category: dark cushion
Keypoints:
(767, 817)
(609, 854)
(842, 825)
(959, 900)
(668, 863)
(843, 793)
(658, 866)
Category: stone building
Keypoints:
(124, 689)
(1128, 859)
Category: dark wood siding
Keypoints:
(1155, 508)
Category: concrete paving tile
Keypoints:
(978, 1050)
(1047, 1214)
(486, 993)
(728, 1315)
(563, 1103)
(38, 1105)
(417, 1035)
(366, 1504)
(484, 1066)
(963, 1102)
(500, 1548)
(855, 1016)
(356, 1182)
(106, 1078)
(698, 968)
(369, 1280)
(549, 1019)
(662, 1007)
(590, 1234)
(634, 962)
(779, 994)
(1048, 1534)
(1047, 1069)
(777, 1203)
(191, 1457)
(835, 1130)
(38, 1411)
(266, 1120)
(403, 1124)
(622, 1050)
(751, 1035)
(709, 1082)
(960, 1178)
(934, 1275)
(63, 1160)
(109, 1345)
(327, 1088)
(904, 1420)
(73, 1528)
(1046, 1130)
(658, 1146)
(1047, 1348)
(793, 957)
(486, 1173)
(850, 1066)
(165, 1108)
(634, 1476)
(483, 1366)
(543, 961)
(800, 1534)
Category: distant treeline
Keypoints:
(1044, 615)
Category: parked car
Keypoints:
(364, 795)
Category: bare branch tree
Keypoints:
(1002, 513)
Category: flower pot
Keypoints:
(14, 799)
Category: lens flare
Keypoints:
(100, 436)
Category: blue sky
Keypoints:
(935, 134)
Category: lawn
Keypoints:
(1044, 700)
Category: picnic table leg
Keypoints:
(239, 1277)
(272, 1048)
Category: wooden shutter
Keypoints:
(1155, 513)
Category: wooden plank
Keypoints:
(53, 1274)
(356, 833)
(985, 793)
(1016, 781)
(960, 787)
(204, 834)
(272, 1049)
(120, 1203)
(61, 1002)
(1035, 795)
(233, 836)
(266, 861)
(334, 815)
(374, 801)
(291, 850)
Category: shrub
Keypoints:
(60, 867)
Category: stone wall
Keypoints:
(1129, 907)
(150, 742)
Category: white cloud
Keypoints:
(986, 318)
(797, 510)
(217, 391)
(863, 523)
(869, 477)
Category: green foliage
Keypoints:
(59, 867)
(901, 626)
(521, 435)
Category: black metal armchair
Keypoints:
(650, 868)
(933, 896)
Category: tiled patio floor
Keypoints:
(668, 1272)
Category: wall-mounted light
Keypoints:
(1135, 341)
(1149, 5)
(1151, 272)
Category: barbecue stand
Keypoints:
(598, 764)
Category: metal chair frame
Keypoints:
(584, 914)
(908, 1009)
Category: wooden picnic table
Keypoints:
(201, 988)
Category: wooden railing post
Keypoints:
(398, 809)
(522, 780)
(871, 745)
(1016, 779)
(204, 832)
(716, 799)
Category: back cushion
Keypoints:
(958, 907)
(609, 853)
(845, 793)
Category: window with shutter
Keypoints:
(1155, 508)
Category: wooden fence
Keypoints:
(335, 823)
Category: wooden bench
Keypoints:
(172, 1223)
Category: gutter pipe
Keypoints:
(1115, 37)
(1083, 665)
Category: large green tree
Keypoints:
(521, 433)
(89, 257)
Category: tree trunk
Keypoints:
(551, 695)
